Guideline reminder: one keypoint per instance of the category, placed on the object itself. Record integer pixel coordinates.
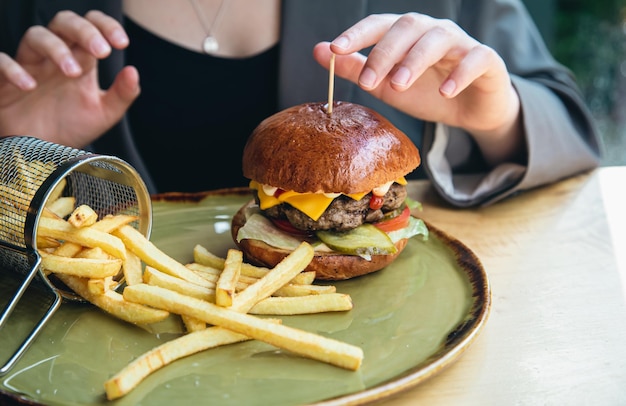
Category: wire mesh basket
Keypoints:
(33, 173)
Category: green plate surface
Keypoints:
(412, 319)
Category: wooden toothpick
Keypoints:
(331, 84)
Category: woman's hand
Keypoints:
(433, 70)
(51, 90)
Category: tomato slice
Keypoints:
(395, 223)
(286, 226)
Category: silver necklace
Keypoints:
(210, 44)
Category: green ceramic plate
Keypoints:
(412, 319)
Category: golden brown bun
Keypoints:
(327, 266)
(304, 149)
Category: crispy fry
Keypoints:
(132, 268)
(297, 341)
(155, 277)
(206, 272)
(86, 236)
(68, 249)
(83, 216)
(109, 222)
(304, 290)
(61, 207)
(129, 377)
(83, 267)
(204, 257)
(114, 303)
(151, 255)
(332, 302)
(93, 253)
(282, 273)
(211, 276)
(192, 324)
(227, 282)
(46, 242)
(100, 286)
(303, 278)
(57, 192)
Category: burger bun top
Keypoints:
(304, 149)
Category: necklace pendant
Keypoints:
(210, 45)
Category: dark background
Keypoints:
(589, 36)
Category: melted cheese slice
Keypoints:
(311, 204)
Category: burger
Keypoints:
(332, 177)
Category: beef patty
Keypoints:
(344, 213)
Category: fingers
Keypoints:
(346, 66)
(405, 47)
(122, 93)
(477, 63)
(94, 34)
(15, 73)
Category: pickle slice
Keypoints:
(364, 240)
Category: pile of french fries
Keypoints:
(112, 265)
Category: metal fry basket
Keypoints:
(32, 174)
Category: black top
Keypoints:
(193, 107)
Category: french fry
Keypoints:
(93, 253)
(109, 222)
(155, 277)
(83, 216)
(62, 230)
(132, 268)
(61, 207)
(129, 377)
(83, 267)
(192, 324)
(212, 275)
(151, 255)
(57, 192)
(282, 273)
(100, 286)
(300, 342)
(46, 242)
(332, 302)
(68, 249)
(203, 256)
(227, 282)
(304, 290)
(303, 278)
(114, 303)
(206, 272)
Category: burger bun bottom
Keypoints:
(328, 266)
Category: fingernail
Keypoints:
(341, 42)
(100, 47)
(119, 38)
(368, 78)
(402, 76)
(448, 87)
(70, 66)
(25, 82)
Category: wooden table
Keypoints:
(556, 260)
